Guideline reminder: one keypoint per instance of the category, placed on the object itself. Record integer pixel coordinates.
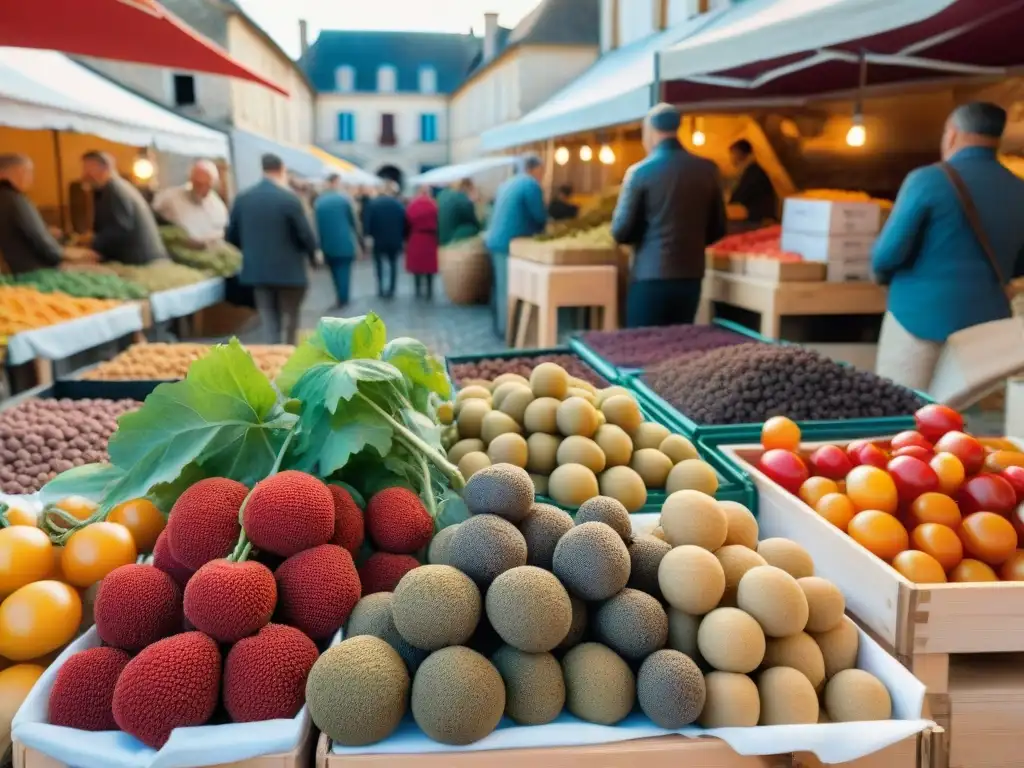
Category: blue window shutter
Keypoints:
(428, 128)
(346, 126)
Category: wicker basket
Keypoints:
(466, 273)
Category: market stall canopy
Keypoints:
(349, 172)
(45, 90)
(308, 162)
(615, 90)
(451, 173)
(787, 48)
(140, 31)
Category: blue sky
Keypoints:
(281, 17)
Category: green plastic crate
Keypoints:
(505, 354)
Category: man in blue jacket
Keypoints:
(339, 235)
(519, 211)
(940, 280)
(385, 224)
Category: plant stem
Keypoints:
(428, 489)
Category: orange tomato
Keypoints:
(939, 541)
(998, 443)
(950, 470)
(37, 619)
(15, 684)
(935, 507)
(780, 432)
(814, 488)
(972, 570)
(919, 567)
(997, 461)
(78, 507)
(879, 533)
(1013, 569)
(142, 519)
(871, 488)
(21, 514)
(94, 551)
(24, 557)
(988, 537)
(837, 509)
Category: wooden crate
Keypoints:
(553, 253)
(986, 700)
(773, 270)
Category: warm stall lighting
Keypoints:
(143, 169)
(699, 139)
(562, 155)
(606, 155)
(586, 153)
(857, 136)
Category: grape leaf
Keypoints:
(353, 429)
(420, 367)
(337, 339)
(307, 355)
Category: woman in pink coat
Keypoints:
(421, 248)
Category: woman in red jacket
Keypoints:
(421, 248)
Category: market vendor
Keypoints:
(196, 207)
(456, 214)
(561, 207)
(124, 226)
(25, 242)
(754, 190)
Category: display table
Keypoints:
(187, 300)
(774, 300)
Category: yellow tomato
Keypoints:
(21, 514)
(94, 551)
(78, 507)
(142, 519)
(37, 619)
(25, 557)
(15, 683)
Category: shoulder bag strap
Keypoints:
(974, 220)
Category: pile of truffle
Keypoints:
(489, 369)
(641, 347)
(523, 613)
(750, 383)
(42, 438)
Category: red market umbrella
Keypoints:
(140, 31)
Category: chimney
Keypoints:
(303, 38)
(490, 36)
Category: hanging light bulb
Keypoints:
(699, 139)
(586, 153)
(143, 168)
(606, 155)
(562, 155)
(857, 136)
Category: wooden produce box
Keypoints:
(776, 271)
(986, 701)
(553, 253)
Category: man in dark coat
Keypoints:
(561, 208)
(25, 242)
(754, 190)
(386, 224)
(124, 226)
(269, 225)
(670, 209)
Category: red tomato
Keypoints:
(987, 493)
(870, 454)
(1015, 477)
(785, 468)
(914, 450)
(933, 421)
(908, 439)
(912, 477)
(830, 461)
(1017, 518)
(966, 448)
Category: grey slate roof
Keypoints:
(560, 22)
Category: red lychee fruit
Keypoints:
(382, 571)
(135, 606)
(288, 513)
(164, 561)
(84, 689)
(398, 522)
(229, 601)
(265, 675)
(318, 589)
(203, 524)
(349, 528)
(174, 683)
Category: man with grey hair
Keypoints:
(25, 242)
(196, 207)
(955, 237)
(519, 211)
(670, 209)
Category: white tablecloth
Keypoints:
(55, 342)
(181, 302)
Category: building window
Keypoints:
(346, 126)
(184, 90)
(387, 130)
(386, 77)
(428, 80)
(345, 79)
(428, 128)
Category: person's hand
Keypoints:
(56, 232)
(318, 259)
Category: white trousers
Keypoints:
(904, 358)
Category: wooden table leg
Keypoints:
(523, 327)
(547, 330)
(510, 318)
(43, 370)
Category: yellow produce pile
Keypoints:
(162, 275)
(24, 309)
(842, 196)
(595, 237)
(165, 362)
(596, 215)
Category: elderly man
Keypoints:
(196, 207)
(25, 242)
(670, 209)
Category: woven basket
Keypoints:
(466, 273)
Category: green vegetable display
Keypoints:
(81, 285)
(221, 260)
(160, 275)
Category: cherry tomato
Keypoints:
(950, 471)
(94, 551)
(837, 509)
(966, 448)
(934, 420)
(988, 537)
(15, 684)
(1013, 569)
(78, 507)
(780, 432)
(814, 488)
(19, 513)
(912, 477)
(908, 439)
(919, 567)
(142, 519)
(830, 461)
(869, 454)
(872, 488)
(785, 468)
(939, 541)
(24, 557)
(972, 570)
(934, 508)
(997, 461)
(879, 533)
(916, 451)
(1015, 477)
(989, 493)
(38, 618)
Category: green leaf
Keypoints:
(328, 385)
(308, 354)
(451, 510)
(420, 367)
(425, 427)
(225, 417)
(352, 431)
(350, 338)
(92, 481)
(164, 495)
